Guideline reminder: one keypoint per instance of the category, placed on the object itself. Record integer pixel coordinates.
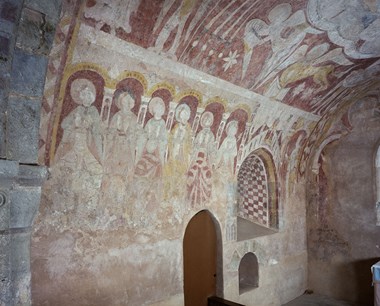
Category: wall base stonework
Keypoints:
(19, 202)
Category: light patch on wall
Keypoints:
(60, 256)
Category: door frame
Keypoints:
(219, 252)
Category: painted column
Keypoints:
(196, 121)
(143, 110)
(171, 115)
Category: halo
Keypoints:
(180, 108)
(77, 86)
(154, 102)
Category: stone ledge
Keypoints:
(32, 175)
(11, 172)
(20, 194)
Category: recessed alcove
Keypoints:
(257, 196)
(248, 273)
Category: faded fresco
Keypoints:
(131, 160)
(289, 51)
(112, 146)
(155, 110)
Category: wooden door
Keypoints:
(199, 256)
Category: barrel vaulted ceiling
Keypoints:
(314, 55)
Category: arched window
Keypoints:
(257, 190)
(377, 164)
(248, 273)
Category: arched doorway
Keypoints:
(202, 258)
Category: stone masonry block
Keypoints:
(3, 92)
(7, 27)
(9, 10)
(4, 254)
(2, 135)
(5, 69)
(23, 119)
(20, 254)
(32, 175)
(51, 8)
(8, 170)
(5, 281)
(9, 15)
(36, 32)
(4, 47)
(3, 119)
(28, 73)
(4, 210)
(24, 206)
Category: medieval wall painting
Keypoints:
(287, 51)
(150, 141)
(136, 149)
(120, 153)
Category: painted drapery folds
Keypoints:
(155, 146)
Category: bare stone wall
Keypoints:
(26, 35)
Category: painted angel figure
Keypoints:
(285, 31)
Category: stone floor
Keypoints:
(317, 300)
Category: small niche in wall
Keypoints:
(248, 273)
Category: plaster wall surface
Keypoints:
(343, 239)
(115, 208)
(126, 176)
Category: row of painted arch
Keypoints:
(136, 83)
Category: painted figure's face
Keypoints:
(126, 102)
(87, 96)
(232, 129)
(157, 107)
(158, 110)
(207, 119)
(184, 116)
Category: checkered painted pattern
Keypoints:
(253, 191)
